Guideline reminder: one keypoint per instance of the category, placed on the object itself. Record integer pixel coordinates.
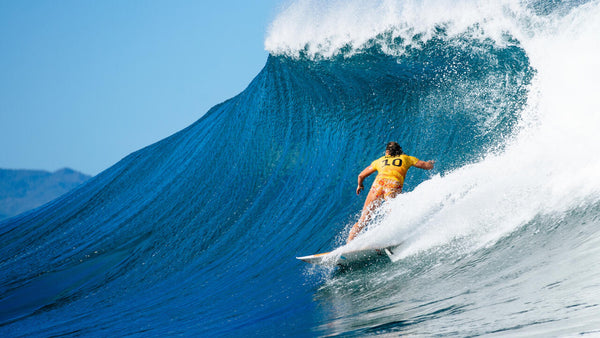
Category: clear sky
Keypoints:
(85, 83)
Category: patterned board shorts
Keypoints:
(386, 188)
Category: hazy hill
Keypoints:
(22, 190)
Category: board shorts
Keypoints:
(385, 188)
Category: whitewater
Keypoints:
(501, 238)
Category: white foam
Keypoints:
(549, 166)
(320, 28)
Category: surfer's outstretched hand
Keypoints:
(359, 189)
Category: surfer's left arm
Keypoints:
(361, 177)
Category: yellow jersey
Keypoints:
(393, 167)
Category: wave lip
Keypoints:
(321, 29)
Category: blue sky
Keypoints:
(85, 83)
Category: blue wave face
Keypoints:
(197, 234)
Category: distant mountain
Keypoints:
(22, 190)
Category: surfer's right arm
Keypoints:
(361, 177)
(427, 165)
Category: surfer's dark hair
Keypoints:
(394, 149)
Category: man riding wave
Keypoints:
(388, 183)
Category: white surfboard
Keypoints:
(355, 257)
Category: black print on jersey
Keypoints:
(396, 162)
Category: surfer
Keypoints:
(388, 183)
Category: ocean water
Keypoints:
(196, 235)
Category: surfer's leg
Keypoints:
(382, 190)
(372, 202)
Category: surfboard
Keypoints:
(355, 257)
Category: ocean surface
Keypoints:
(196, 235)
